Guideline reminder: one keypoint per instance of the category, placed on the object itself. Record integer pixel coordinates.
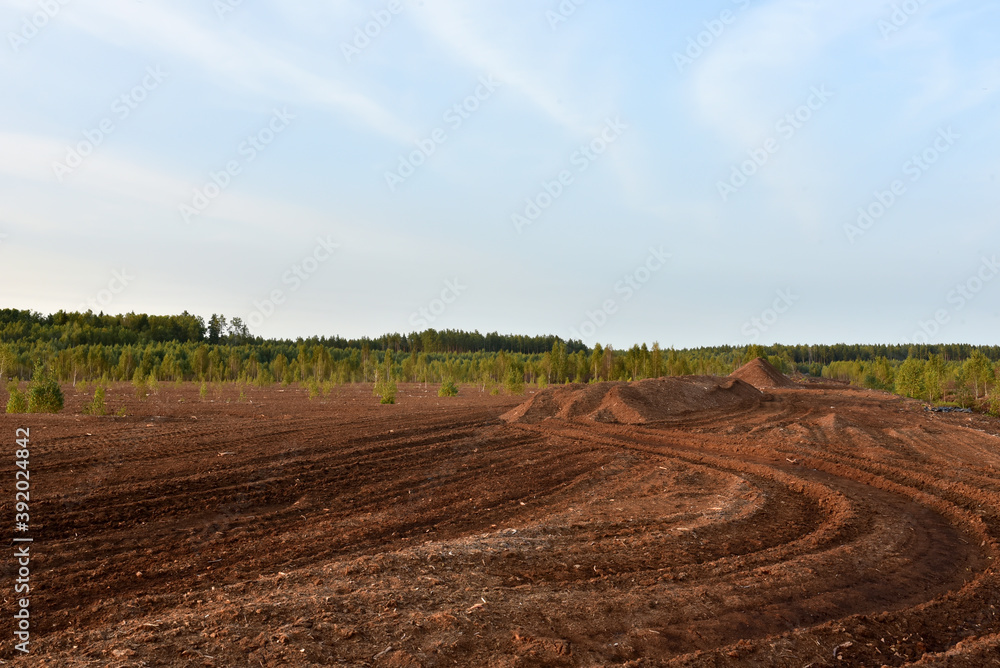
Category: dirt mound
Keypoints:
(761, 374)
(636, 403)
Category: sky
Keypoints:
(729, 172)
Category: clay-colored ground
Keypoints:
(824, 526)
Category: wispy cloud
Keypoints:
(467, 29)
(235, 59)
(735, 83)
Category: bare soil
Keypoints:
(819, 525)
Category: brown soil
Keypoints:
(823, 526)
(641, 402)
(761, 374)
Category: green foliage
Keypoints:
(139, 384)
(910, 378)
(44, 393)
(17, 402)
(97, 405)
(448, 388)
(752, 352)
(203, 390)
(385, 384)
(994, 404)
(979, 371)
(153, 384)
(514, 382)
(120, 412)
(313, 386)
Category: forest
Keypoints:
(74, 347)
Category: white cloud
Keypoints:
(736, 81)
(466, 29)
(233, 57)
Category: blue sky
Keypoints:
(688, 173)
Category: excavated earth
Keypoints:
(817, 525)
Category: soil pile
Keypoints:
(761, 374)
(640, 402)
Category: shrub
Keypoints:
(314, 390)
(96, 405)
(448, 389)
(385, 384)
(44, 393)
(994, 406)
(514, 383)
(203, 390)
(139, 383)
(385, 389)
(17, 403)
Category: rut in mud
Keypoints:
(817, 524)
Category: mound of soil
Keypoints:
(640, 402)
(761, 374)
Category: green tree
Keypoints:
(979, 371)
(385, 383)
(97, 405)
(910, 378)
(16, 402)
(656, 362)
(44, 393)
(514, 382)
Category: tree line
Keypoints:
(71, 347)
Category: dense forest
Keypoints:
(73, 347)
